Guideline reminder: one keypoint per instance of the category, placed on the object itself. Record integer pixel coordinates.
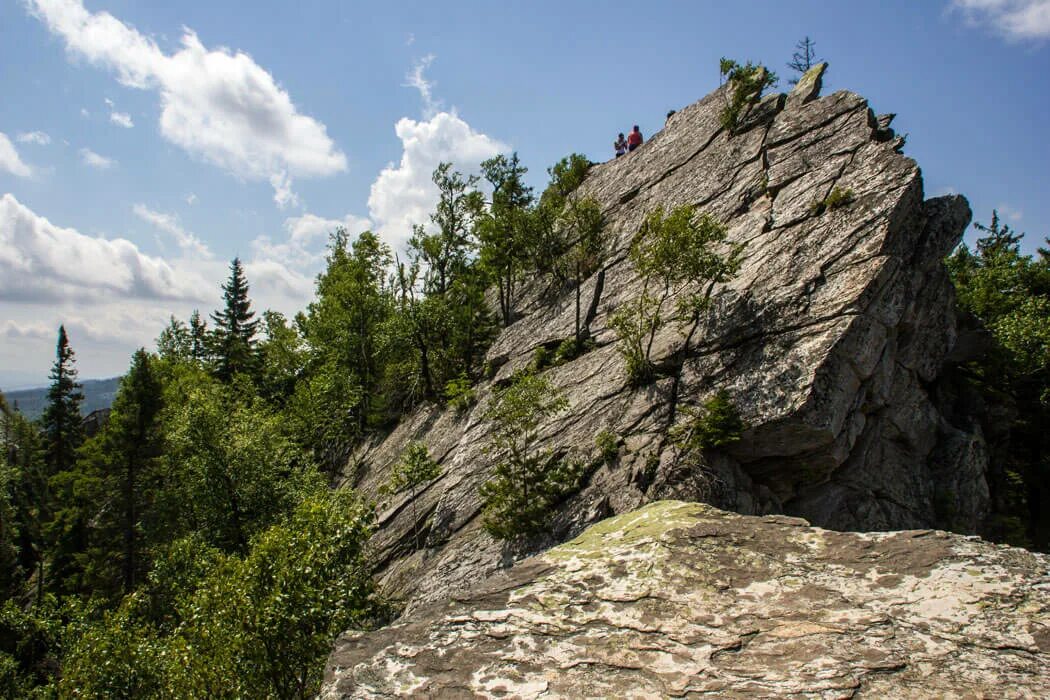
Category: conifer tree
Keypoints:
(804, 58)
(63, 429)
(198, 337)
(119, 468)
(63, 433)
(233, 340)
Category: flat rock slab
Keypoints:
(683, 600)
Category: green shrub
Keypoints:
(608, 445)
(527, 483)
(716, 423)
(836, 199)
(746, 83)
(541, 358)
(459, 393)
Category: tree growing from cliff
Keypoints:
(503, 232)
(415, 468)
(548, 239)
(233, 339)
(804, 58)
(746, 82)
(670, 252)
(527, 482)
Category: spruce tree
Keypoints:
(66, 529)
(233, 340)
(62, 425)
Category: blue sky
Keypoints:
(143, 145)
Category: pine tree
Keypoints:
(63, 428)
(119, 468)
(198, 337)
(63, 433)
(233, 340)
(803, 59)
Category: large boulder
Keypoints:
(683, 600)
(831, 342)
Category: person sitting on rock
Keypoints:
(620, 146)
(635, 138)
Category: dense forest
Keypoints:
(193, 547)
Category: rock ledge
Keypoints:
(684, 600)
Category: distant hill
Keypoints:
(98, 393)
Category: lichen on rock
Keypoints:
(684, 600)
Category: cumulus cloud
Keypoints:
(216, 104)
(122, 119)
(191, 199)
(404, 194)
(40, 261)
(169, 223)
(10, 161)
(1014, 19)
(38, 137)
(306, 238)
(94, 160)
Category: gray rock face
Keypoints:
(683, 600)
(829, 341)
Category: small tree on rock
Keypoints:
(415, 468)
(519, 498)
(804, 58)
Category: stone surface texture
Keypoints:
(683, 600)
(831, 341)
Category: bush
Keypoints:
(716, 423)
(460, 394)
(608, 445)
(527, 483)
(746, 83)
(836, 199)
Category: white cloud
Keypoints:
(1012, 213)
(191, 199)
(40, 261)
(84, 113)
(38, 137)
(112, 297)
(1015, 19)
(216, 104)
(169, 223)
(122, 119)
(283, 195)
(307, 235)
(416, 79)
(404, 194)
(94, 160)
(10, 161)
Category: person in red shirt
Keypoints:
(634, 139)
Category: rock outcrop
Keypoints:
(830, 341)
(683, 600)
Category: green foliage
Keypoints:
(504, 229)
(459, 393)
(415, 468)
(257, 626)
(233, 469)
(715, 423)
(1010, 293)
(233, 339)
(551, 233)
(517, 501)
(670, 252)
(61, 422)
(836, 199)
(746, 84)
(608, 445)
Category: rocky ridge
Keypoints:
(831, 341)
(683, 600)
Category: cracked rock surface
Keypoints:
(683, 600)
(830, 341)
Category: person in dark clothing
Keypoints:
(634, 140)
(620, 146)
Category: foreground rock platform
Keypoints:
(683, 600)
